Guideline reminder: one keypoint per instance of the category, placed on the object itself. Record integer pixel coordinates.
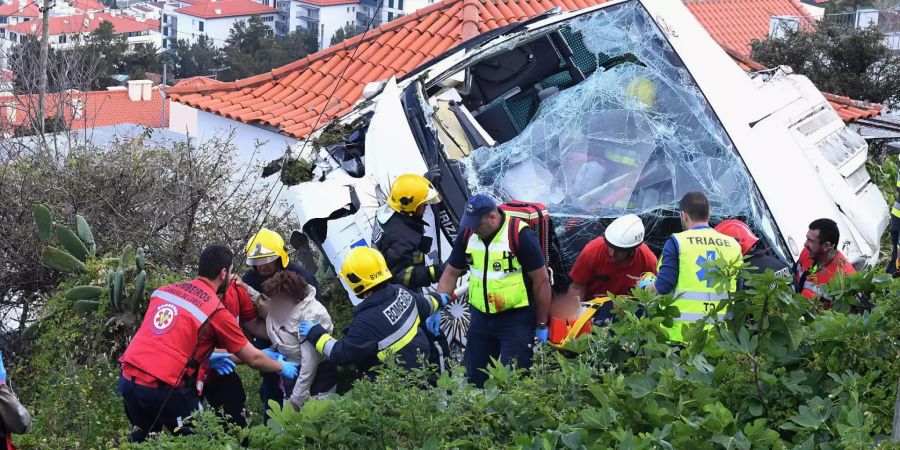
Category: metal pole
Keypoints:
(162, 123)
(42, 77)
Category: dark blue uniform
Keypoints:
(270, 388)
(387, 320)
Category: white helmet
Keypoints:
(625, 232)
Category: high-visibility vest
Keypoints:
(694, 291)
(895, 210)
(163, 345)
(496, 281)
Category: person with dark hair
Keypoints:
(266, 256)
(820, 261)
(388, 320)
(166, 361)
(292, 301)
(894, 263)
(681, 268)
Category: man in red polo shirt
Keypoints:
(820, 261)
(165, 363)
(612, 263)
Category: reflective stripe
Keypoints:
(400, 332)
(809, 285)
(406, 339)
(493, 275)
(700, 296)
(323, 342)
(181, 303)
(895, 210)
(328, 347)
(693, 317)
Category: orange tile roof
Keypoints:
(292, 97)
(87, 5)
(736, 23)
(24, 8)
(99, 108)
(329, 2)
(194, 81)
(226, 8)
(85, 23)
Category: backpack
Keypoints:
(537, 217)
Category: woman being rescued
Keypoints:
(291, 301)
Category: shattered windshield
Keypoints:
(633, 136)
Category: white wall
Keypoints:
(193, 122)
(333, 18)
(218, 29)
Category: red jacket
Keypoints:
(817, 276)
(170, 339)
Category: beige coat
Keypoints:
(282, 332)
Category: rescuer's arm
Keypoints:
(668, 269)
(354, 348)
(258, 360)
(454, 268)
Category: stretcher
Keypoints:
(562, 332)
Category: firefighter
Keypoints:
(386, 321)
(165, 363)
(894, 263)
(266, 256)
(399, 234)
(820, 261)
(509, 291)
(681, 268)
(758, 259)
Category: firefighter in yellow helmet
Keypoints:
(386, 321)
(266, 256)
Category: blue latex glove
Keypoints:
(433, 324)
(272, 353)
(221, 363)
(305, 326)
(2, 369)
(646, 280)
(288, 369)
(444, 299)
(542, 334)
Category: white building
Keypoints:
(390, 10)
(189, 19)
(322, 17)
(16, 11)
(66, 31)
(145, 10)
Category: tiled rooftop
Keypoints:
(225, 8)
(98, 109)
(85, 23)
(291, 98)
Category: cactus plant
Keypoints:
(84, 232)
(111, 292)
(127, 258)
(57, 259)
(71, 243)
(87, 306)
(84, 293)
(31, 331)
(139, 281)
(140, 259)
(43, 221)
(118, 286)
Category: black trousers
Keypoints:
(270, 388)
(895, 248)
(149, 409)
(225, 393)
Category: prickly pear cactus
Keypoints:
(57, 259)
(84, 293)
(43, 221)
(71, 243)
(85, 233)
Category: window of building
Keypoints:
(400, 4)
(165, 18)
(201, 26)
(4, 19)
(62, 39)
(268, 18)
(390, 16)
(390, 3)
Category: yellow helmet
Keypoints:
(643, 90)
(409, 192)
(364, 268)
(265, 247)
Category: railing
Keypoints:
(312, 14)
(886, 21)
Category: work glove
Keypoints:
(221, 363)
(542, 334)
(305, 327)
(443, 299)
(434, 174)
(288, 369)
(272, 353)
(433, 324)
(646, 280)
(2, 369)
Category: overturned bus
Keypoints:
(621, 108)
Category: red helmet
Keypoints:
(740, 232)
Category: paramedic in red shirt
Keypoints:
(612, 263)
(171, 350)
(820, 259)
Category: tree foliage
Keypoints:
(200, 58)
(841, 60)
(251, 49)
(343, 33)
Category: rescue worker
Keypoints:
(820, 261)
(894, 263)
(225, 392)
(509, 291)
(386, 321)
(266, 256)
(681, 268)
(165, 363)
(757, 258)
(14, 418)
(399, 234)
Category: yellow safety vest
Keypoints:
(895, 210)
(496, 281)
(695, 294)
